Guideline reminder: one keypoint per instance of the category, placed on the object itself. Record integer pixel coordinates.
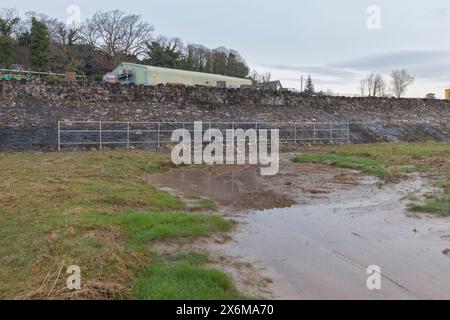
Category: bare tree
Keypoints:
(174, 44)
(116, 34)
(266, 77)
(363, 87)
(254, 76)
(370, 80)
(196, 57)
(257, 77)
(219, 61)
(9, 22)
(379, 87)
(374, 85)
(400, 81)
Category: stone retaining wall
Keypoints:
(29, 112)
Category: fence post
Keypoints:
(100, 135)
(59, 135)
(331, 132)
(159, 128)
(128, 135)
(256, 133)
(295, 132)
(314, 130)
(348, 132)
(209, 135)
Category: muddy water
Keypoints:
(329, 226)
(233, 187)
(322, 250)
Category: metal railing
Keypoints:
(37, 73)
(156, 134)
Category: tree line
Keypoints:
(374, 85)
(41, 43)
(172, 53)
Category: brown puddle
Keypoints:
(322, 250)
(314, 230)
(242, 187)
(235, 187)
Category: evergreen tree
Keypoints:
(6, 41)
(39, 44)
(309, 86)
(163, 55)
(6, 45)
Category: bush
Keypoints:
(51, 78)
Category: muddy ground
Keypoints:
(311, 231)
(242, 188)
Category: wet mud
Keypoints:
(312, 231)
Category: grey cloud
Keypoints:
(395, 59)
(440, 13)
(325, 71)
(322, 81)
(431, 65)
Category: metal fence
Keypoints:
(22, 74)
(100, 134)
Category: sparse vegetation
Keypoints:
(96, 210)
(438, 205)
(389, 161)
(363, 164)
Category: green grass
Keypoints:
(390, 161)
(185, 277)
(141, 228)
(203, 204)
(438, 205)
(91, 209)
(363, 164)
(397, 153)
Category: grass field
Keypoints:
(95, 210)
(390, 162)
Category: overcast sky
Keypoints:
(337, 42)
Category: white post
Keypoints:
(59, 135)
(210, 136)
(348, 132)
(128, 135)
(295, 132)
(314, 130)
(256, 132)
(159, 128)
(100, 135)
(331, 132)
